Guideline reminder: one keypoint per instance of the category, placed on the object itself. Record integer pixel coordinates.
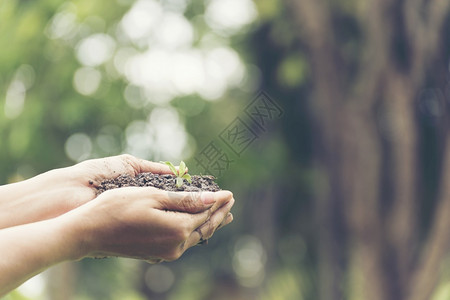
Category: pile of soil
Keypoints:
(164, 182)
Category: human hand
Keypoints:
(92, 172)
(59, 218)
(58, 191)
(147, 223)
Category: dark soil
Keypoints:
(164, 182)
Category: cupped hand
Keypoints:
(94, 171)
(147, 223)
(58, 191)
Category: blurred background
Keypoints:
(327, 119)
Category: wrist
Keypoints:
(67, 176)
(43, 197)
(76, 234)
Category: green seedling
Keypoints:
(181, 173)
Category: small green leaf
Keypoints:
(171, 166)
(182, 169)
(187, 177)
(179, 182)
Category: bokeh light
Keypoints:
(78, 147)
(15, 99)
(63, 25)
(34, 288)
(95, 49)
(249, 261)
(86, 80)
(159, 278)
(229, 16)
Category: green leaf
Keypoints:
(179, 182)
(187, 177)
(182, 169)
(171, 166)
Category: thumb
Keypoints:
(143, 166)
(194, 202)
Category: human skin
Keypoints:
(57, 217)
(58, 191)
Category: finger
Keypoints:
(154, 261)
(194, 202)
(196, 220)
(113, 166)
(228, 219)
(206, 229)
(144, 166)
(216, 219)
(139, 165)
(210, 225)
(186, 169)
(193, 240)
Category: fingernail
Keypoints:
(207, 197)
(225, 194)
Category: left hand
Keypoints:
(58, 191)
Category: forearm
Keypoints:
(42, 197)
(29, 249)
(58, 191)
(143, 223)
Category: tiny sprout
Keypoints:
(181, 173)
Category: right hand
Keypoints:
(147, 223)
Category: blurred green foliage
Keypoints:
(57, 107)
(162, 80)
